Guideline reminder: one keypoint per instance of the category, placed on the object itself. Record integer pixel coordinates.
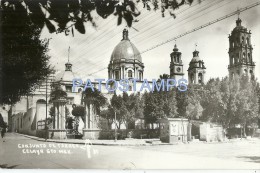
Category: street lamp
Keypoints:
(115, 128)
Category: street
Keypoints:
(19, 152)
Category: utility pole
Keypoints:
(46, 108)
(115, 128)
(46, 98)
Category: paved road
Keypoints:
(236, 155)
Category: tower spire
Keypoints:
(125, 34)
(238, 12)
(68, 65)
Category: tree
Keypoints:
(231, 101)
(109, 115)
(212, 101)
(93, 98)
(247, 102)
(116, 103)
(25, 59)
(159, 104)
(182, 103)
(189, 102)
(70, 14)
(57, 92)
(79, 112)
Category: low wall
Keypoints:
(236, 132)
(135, 133)
(42, 134)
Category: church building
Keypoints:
(240, 52)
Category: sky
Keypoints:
(90, 52)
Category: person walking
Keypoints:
(3, 127)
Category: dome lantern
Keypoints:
(125, 34)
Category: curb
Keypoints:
(83, 142)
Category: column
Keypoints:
(123, 69)
(58, 118)
(121, 73)
(195, 78)
(91, 117)
(62, 121)
(55, 117)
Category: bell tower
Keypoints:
(197, 69)
(176, 66)
(240, 52)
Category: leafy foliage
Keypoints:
(78, 112)
(231, 102)
(67, 14)
(127, 109)
(25, 59)
(52, 111)
(93, 98)
(57, 93)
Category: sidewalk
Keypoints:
(127, 142)
(130, 142)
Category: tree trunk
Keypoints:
(10, 112)
(77, 124)
(244, 130)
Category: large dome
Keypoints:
(196, 57)
(126, 50)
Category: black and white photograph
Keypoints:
(130, 84)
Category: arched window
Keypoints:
(130, 74)
(117, 75)
(140, 75)
(192, 78)
(200, 78)
(249, 58)
(251, 74)
(247, 41)
(243, 40)
(232, 60)
(244, 57)
(245, 71)
(68, 88)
